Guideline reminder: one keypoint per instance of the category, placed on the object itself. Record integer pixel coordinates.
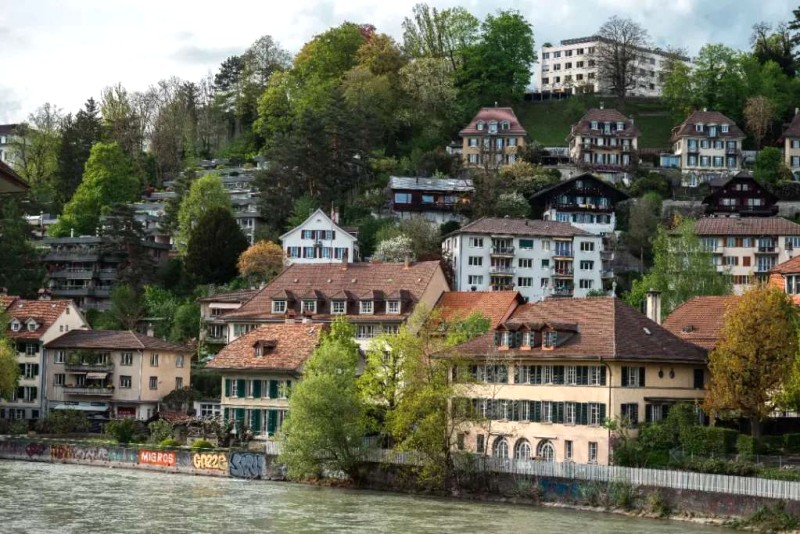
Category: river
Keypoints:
(42, 497)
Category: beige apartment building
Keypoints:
(605, 142)
(709, 145)
(492, 138)
(544, 382)
(791, 143)
(117, 373)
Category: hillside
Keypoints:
(549, 122)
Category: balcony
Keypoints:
(72, 256)
(89, 367)
(502, 251)
(608, 273)
(767, 250)
(504, 287)
(73, 274)
(563, 273)
(563, 292)
(70, 291)
(89, 391)
(563, 253)
(606, 255)
(501, 270)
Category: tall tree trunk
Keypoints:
(755, 428)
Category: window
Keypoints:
(126, 359)
(480, 443)
(630, 412)
(595, 413)
(587, 246)
(549, 339)
(15, 325)
(724, 128)
(178, 382)
(699, 379)
(125, 382)
(594, 125)
(153, 382)
(154, 360)
(633, 377)
(597, 376)
(310, 306)
(338, 307)
(586, 265)
(526, 244)
(475, 261)
(585, 284)
(525, 263)
(500, 448)
(592, 452)
(30, 370)
(568, 449)
(525, 281)
(365, 331)
(476, 242)
(569, 413)
(427, 199)
(60, 379)
(278, 306)
(730, 261)
(179, 360)
(58, 357)
(31, 349)
(475, 280)
(393, 306)
(404, 198)
(366, 307)
(32, 326)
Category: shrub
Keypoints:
(623, 495)
(776, 473)
(121, 430)
(18, 426)
(594, 493)
(169, 442)
(791, 442)
(63, 422)
(717, 466)
(658, 504)
(710, 440)
(159, 431)
(769, 519)
(202, 444)
(772, 444)
(746, 446)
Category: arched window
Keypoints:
(501, 448)
(522, 450)
(545, 451)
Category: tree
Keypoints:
(9, 368)
(35, 145)
(21, 271)
(441, 34)
(205, 194)
(512, 205)
(620, 42)
(124, 236)
(770, 167)
(716, 80)
(302, 208)
(327, 421)
(754, 356)
(186, 325)
(108, 179)
(682, 269)
(643, 223)
(395, 249)
(77, 137)
(758, 114)
(126, 309)
(262, 260)
(215, 243)
(676, 82)
(776, 46)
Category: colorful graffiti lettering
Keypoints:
(162, 458)
(91, 454)
(247, 465)
(210, 460)
(62, 452)
(122, 455)
(35, 449)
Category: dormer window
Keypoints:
(549, 340)
(16, 326)
(493, 127)
(594, 125)
(309, 306)
(32, 326)
(479, 126)
(505, 125)
(698, 127)
(366, 307)
(264, 346)
(278, 306)
(527, 339)
(393, 306)
(338, 307)
(506, 339)
(724, 128)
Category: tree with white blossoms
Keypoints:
(396, 249)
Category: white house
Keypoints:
(536, 258)
(319, 240)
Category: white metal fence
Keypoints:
(681, 480)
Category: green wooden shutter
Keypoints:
(240, 415)
(583, 413)
(273, 389)
(227, 387)
(240, 387)
(602, 414)
(288, 388)
(34, 393)
(272, 422)
(256, 389)
(602, 376)
(624, 376)
(536, 409)
(516, 373)
(648, 413)
(641, 377)
(226, 414)
(255, 421)
(36, 369)
(559, 412)
(558, 374)
(497, 339)
(517, 339)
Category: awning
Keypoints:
(99, 376)
(81, 407)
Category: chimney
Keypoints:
(705, 109)
(495, 103)
(602, 104)
(344, 260)
(796, 110)
(406, 263)
(654, 305)
(150, 330)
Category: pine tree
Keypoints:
(215, 243)
(78, 136)
(21, 272)
(124, 237)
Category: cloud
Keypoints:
(196, 55)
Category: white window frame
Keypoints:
(278, 306)
(125, 384)
(179, 360)
(366, 307)
(59, 356)
(338, 307)
(154, 360)
(153, 383)
(592, 452)
(126, 359)
(306, 308)
(393, 307)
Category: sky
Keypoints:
(65, 51)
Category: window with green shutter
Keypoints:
(227, 387)
(256, 388)
(288, 388)
(272, 422)
(273, 389)
(255, 421)
(536, 411)
(240, 416)
(240, 386)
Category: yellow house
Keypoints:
(791, 144)
(547, 379)
(492, 138)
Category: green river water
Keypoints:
(42, 497)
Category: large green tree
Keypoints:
(754, 356)
(441, 34)
(9, 368)
(205, 194)
(108, 179)
(124, 237)
(214, 246)
(643, 223)
(35, 145)
(327, 419)
(78, 136)
(21, 271)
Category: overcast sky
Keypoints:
(64, 51)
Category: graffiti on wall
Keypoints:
(121, 455)
(35, 450)
(162, 458)
(210, 460)
(247, 465)
(21, 449)
(62, 452)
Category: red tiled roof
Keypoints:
(584, 125)
(791, 266)
(44, 312)
(6, 301)
(687, 127)
(230, 296)
(699, 320)
(329, 279)
(293, 344)
(793, 130)
(600, 327)
(494, 114)
(523, 227)
(114, 340)
(497, 306)
(745, 226)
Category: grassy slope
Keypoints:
(549, 122)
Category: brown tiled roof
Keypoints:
(793, 130)
(699, 320)
(113, 340)
(293, 344)
(603, 327)
(791, 266)
(687, 127)
(584, 125)
(497, 306)
(494, 114)
(6, 301)
(10, 177)
(230, 296)
(568, 186)
(44, 312)
(522, 227)
(331, 279)
(745, 226)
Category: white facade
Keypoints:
(7, 150)
(319, 240)
(535, 266)
(594, 223)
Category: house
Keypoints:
(258, 370)
(30, 325)
(77, 268)
(605, 142)
(699, 320)
(586, 201)
(497, 306)
(116, 373)
(791, 144)
(492, 138)
(739, 196)
(10, 181)
(534, 257)
(747, 248)
(214, 330)
(709, 145)
(438, 200)
(786, 277)
(375, 297)
(545, 381)
(8, 153)
(319, 239)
